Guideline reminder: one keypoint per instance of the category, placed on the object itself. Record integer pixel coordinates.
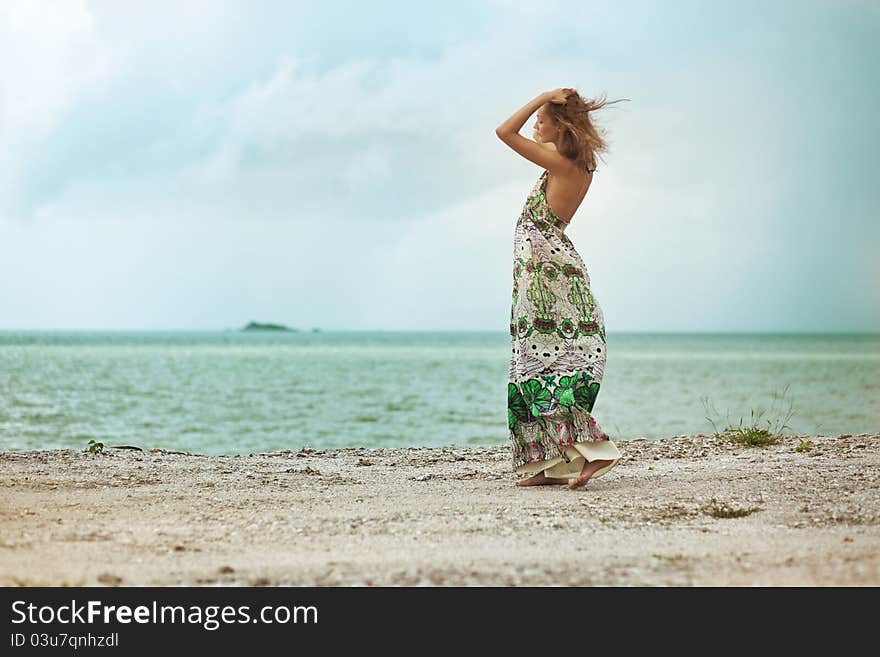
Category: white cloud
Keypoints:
(50, 59)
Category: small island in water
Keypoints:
(257, 326)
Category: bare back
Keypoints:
(565, 193)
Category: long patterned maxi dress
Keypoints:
(557, 343)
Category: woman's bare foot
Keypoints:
(540, 480)
(589, 468)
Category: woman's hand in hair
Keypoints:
(559, 96)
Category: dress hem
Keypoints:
(571, 462)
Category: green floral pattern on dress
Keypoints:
(557, 336)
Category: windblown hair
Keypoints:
(581, 140)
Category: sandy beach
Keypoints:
(680, 511)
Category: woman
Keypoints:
(557, 328)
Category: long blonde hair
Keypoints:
(581, 140)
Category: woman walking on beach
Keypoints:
(557, 329)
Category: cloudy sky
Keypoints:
(197, 165)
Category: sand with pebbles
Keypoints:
(680, 511)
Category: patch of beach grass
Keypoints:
(38, 584)
(718, 509)
(757, 432)
(752, 436)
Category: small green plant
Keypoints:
(757, 433)
(804, 445)
(95, 447)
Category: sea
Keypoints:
(243, 392)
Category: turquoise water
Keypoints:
(228, 392)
